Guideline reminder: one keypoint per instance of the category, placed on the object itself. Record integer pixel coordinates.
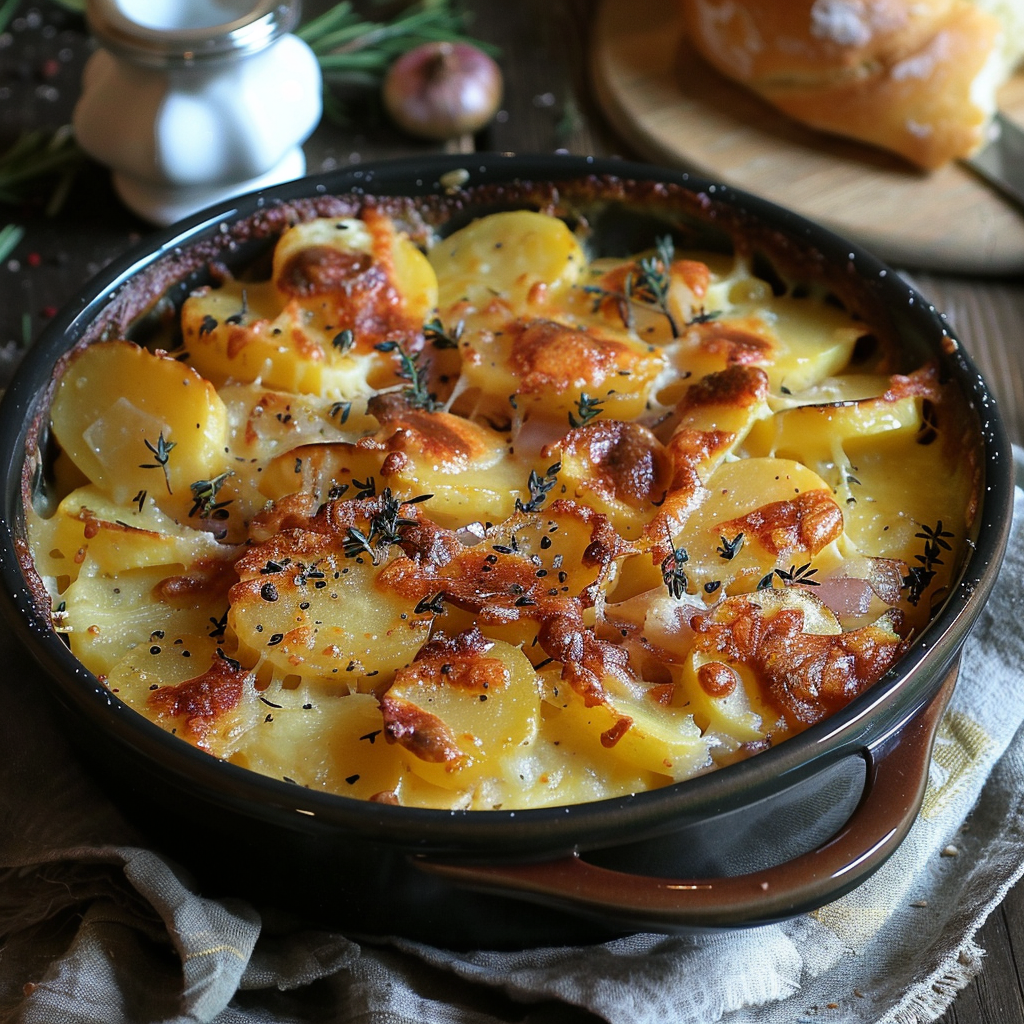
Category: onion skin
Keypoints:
(442, 90)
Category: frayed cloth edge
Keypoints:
(930, 998)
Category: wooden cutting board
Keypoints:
(677, 111)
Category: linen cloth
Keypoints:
(96, 927)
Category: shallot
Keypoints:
(442, 90)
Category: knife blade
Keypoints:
(1001, 160)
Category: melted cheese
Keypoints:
(496, 524)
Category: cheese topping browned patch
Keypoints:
(496, 521)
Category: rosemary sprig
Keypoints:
(35, 156)
(10, 236)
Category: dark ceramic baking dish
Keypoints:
(779, 834)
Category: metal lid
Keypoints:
(181, 33)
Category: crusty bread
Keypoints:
(917, 77)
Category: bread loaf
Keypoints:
(917, 77)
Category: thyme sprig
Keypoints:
(654, 280)
(37, 156)
(587, 408)
(386, 526)
(672, 573)
(416, 393)
(798, 575)
(434, 331)
(649, 286)
(204, 498)
(162, 454)
(919, 576)
(539, 488)
(794, 576)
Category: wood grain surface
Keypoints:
(676, 110)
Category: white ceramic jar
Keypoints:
(194, 101)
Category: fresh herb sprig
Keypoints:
(654, 279)
(920, 576)
(434, 331)
(10, 236)
(162, 455)
(38, 156)
(386, 526)
(587, 408)
(794, 576)
(416, 392)
(204, 498)
(648, 286)
(672, 573)
(539, 488)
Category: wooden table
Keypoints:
(549, 105)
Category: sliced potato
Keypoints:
(460, 707)
(340, 287)
(140, 425)
(307, 609)
(90, 533)
(515, 256)
(109, 616)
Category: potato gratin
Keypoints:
(493, 521)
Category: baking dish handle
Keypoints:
(897, 773)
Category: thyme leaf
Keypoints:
(587, 408)
(433, 604)
(344, 340)
(798, 576)
(672, 572)
(434, 331)
(539, 487)
(365, 489)
(703, 317)
(729, 549)
(204, 498)
(416, 393)
(341, 410)
(162, 453)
